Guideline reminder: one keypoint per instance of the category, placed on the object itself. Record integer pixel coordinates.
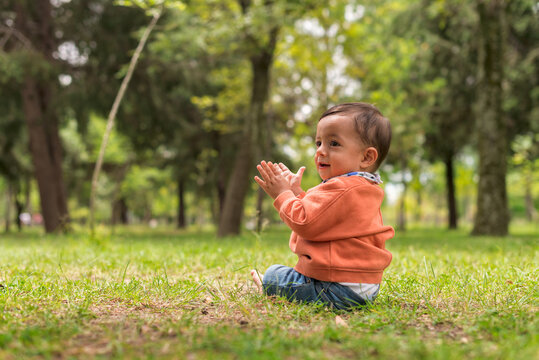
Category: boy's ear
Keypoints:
(368, 158)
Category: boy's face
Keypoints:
(338, 147)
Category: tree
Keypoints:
(32, 26)
(260, 54)
(114, 110)
(171, 108)
(385, 74)
(445, 69)
(522, 102)
(249, 40)
(492, 217)
(103, 36)
(14, 165)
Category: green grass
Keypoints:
(167, 294)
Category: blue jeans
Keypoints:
(284, 281)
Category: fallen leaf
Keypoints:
(339, 321)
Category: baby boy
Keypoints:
(337, 229)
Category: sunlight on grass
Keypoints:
(177, 294)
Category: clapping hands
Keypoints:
(293, 179)
(277, 178)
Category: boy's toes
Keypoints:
(256, 279)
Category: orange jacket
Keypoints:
(337, 230)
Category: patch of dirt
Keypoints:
(431, 329)
(219, 313)
(122, 321)
(160, 323)
(154, 322)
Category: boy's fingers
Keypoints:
(263, 165)
(260, 182)
(262, 171)
(263, 185)
(267, 171)
(278, 170)
(284, 168)
(301, 171)
(269, 168)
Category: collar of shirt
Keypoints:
(367, 175)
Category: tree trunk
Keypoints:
(220, 186)
(117, 174)
(265, 142)
(401, 216)
(181, 204)
(492, 217)
(221, 192)
(40, 117)
(45, 148)
(530, 208)
(451, 193)
(19, 207)
(238, 183)
(119, 211)
(419, 203)
(27, 190)
(260, 195)
(8, 208)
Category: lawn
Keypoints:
(187, 295)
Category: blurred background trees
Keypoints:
(224, 84)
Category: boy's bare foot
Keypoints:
(257, 279)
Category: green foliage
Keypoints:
(155, 192)
(185, 108)
(81, 153)
(152, 6)
(15, 162)
(16, 65)
(119, 149)
(385, 73)
(11, 68)
(223, 113)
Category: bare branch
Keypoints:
(9, 31)
(114, 110)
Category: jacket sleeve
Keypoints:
(321, 215)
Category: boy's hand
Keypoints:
(273, 181)
(293, 179)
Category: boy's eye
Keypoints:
(318, 143)
(334, 143)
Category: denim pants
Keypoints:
(285, 281)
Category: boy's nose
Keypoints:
(321, 150)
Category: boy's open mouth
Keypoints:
(323, 165)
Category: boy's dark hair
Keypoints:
(373, 128)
